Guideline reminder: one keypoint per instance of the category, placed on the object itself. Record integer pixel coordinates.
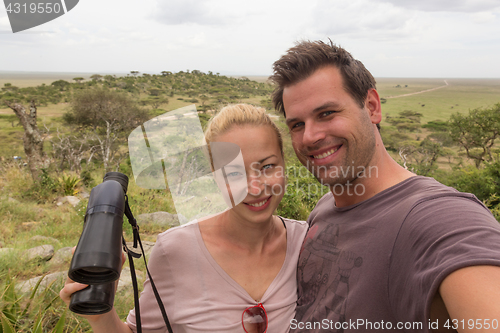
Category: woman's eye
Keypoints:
(267, 166)
(234, 174)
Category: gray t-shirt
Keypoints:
(376, 265)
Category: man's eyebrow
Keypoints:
(288, 121)
(327, 105)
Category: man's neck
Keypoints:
(383, 174)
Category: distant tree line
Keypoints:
(103, 110)
(208, 89)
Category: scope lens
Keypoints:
(119, 177)
(95, 299)
(94, 275)
(90, 308)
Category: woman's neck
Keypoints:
(245, 234)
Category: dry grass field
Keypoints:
(31, 79)
(460, 95)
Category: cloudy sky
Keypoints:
(393, 38)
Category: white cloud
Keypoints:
(361, 19)
(4, 23)
(483, 17)
(466, 6)
(201, 12)
(392, 38)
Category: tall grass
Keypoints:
(35, 313)
(28, 210)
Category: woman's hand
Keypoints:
(71, 287)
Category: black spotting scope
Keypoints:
(97, 260)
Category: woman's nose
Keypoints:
(255, 186)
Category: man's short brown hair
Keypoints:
(306, 57)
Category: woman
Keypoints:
(229, 271)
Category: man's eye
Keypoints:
(297, 125)
(326, 113)
(267, 166)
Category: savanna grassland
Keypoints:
(460, 95)
(416, 129)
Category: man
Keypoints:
(386, 250)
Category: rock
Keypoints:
(72, 200)
(125, 282)
(147, 246)
(84, 195)
(163, 219)
(38, 210)
(62, 256)
(42, 252)
(6, 251)
(27, 286)
(12, 200)
(29, 225)
(44, 239)
(182, 219)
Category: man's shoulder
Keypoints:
(419, 190)
(399, 200)
(421, 195)
(428, 192)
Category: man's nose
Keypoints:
(312, 134)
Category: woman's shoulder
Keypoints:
(179, 235)
(298, 223)
(295, 226)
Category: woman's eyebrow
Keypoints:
(262, 160)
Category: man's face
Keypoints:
(331, 135)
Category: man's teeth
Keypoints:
(258, 204)
(328, 153)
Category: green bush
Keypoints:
(484, 183)
(87, 179)
(43, 190)
(302, 193)
(69, 184)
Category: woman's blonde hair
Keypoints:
(240, 115)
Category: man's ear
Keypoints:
(373, 106)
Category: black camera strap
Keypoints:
(131, 255)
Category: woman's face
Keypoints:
(264, 167)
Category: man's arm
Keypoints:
(472, 298)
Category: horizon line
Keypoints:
(230, 74)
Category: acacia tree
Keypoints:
(109, 116)
(422, 158)
(476, 132)
(33, 138)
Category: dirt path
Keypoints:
(420, 92)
